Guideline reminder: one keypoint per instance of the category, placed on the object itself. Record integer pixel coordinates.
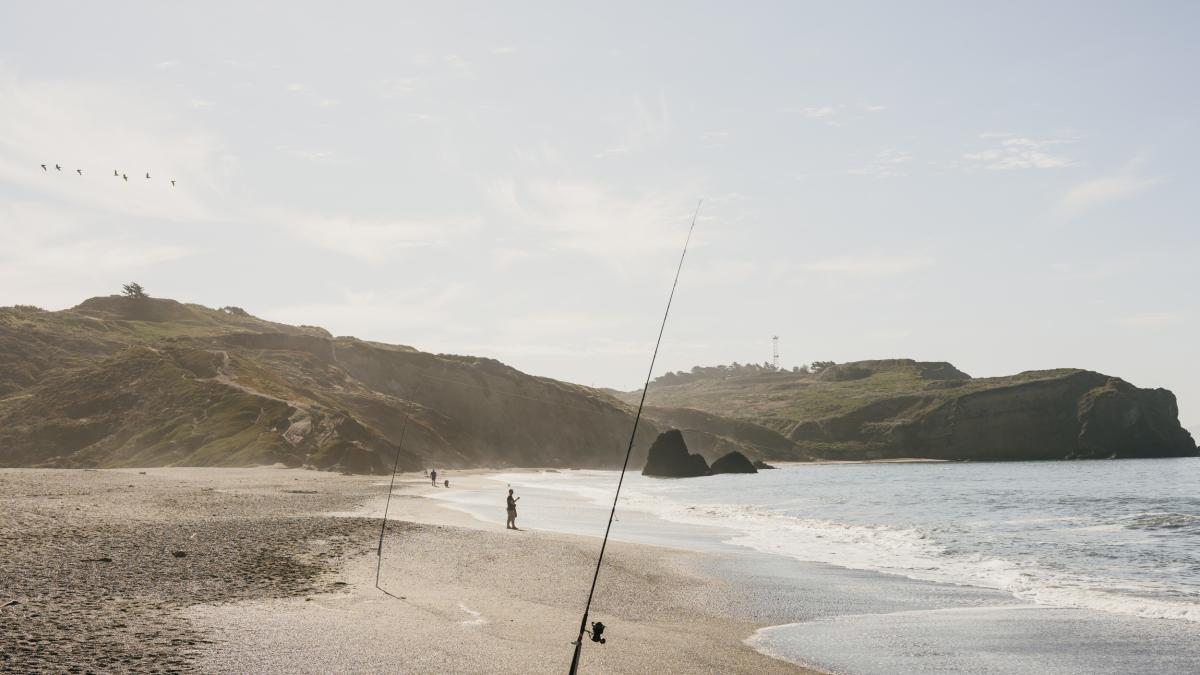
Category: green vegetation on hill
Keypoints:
(905, 408)
(138, 381)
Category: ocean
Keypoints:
(1113, 547)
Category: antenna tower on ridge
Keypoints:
(775, 351)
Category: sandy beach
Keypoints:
(273, 570)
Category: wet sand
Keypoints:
(269, 581)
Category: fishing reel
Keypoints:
(597, 632)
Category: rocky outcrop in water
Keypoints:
(734, 462)
(669, 458)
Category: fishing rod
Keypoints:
(391, 485)
(597, 631)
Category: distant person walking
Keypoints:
(433, 477)
(512, 511)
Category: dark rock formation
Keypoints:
(1084, 415)
(734, 462)
(762, 466)
(669, 457)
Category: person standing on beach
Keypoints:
(433, 477)
(512, 511)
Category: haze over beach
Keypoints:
(292, 295)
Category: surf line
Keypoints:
(597, 632)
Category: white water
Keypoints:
(1103, 558)
(1119, 536)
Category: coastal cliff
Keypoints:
(152, 382)
(908, 409)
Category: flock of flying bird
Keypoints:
(115, 173)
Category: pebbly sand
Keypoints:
(278, 575)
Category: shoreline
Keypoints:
(810, 611)
(277, 575)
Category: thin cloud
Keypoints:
(869, 265)
(887, 162)
(395, 88)
(370, 240)
(1152, 320)
(1013, 152)
(48, 252)
(592, 218)
(323, 156)
(1092, 194)
(371, 313)
(817, 112)
(610, 152)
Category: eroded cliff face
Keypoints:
(1084, 415)
(493, 415)
(900, 408)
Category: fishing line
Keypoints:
(387, 505)
(598, 628)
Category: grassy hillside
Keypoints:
(905, 408)
(145, 382)
(34, 341)
(124, 382)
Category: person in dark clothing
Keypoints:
(433, 477)
(512, 511)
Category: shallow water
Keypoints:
(1114, 545)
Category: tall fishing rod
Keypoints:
(598, 628)
(391, 485)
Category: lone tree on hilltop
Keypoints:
(134, 291)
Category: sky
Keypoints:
(1006, 187)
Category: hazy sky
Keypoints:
(1006, 188)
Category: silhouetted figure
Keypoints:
(147, 175)
(79, 171)
(44, 168)
(512, 511)
(116, 174)
(433, 477)
(57, 167)
(172, 183)
(126, 178)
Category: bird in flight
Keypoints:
(147, 175)
(57, 167)
(172, 183)
(125, 177)
(44, 168)
(79, 171)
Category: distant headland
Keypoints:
(138, 381)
